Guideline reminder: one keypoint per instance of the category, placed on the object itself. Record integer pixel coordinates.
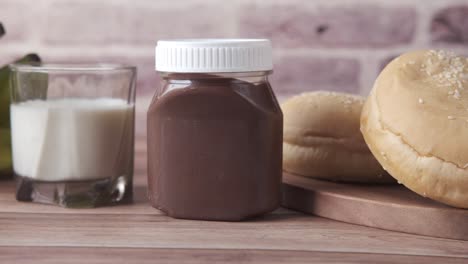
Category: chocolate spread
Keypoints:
(214, 148)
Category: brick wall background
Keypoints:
(336, 45)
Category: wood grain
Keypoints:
(138, 233)
(60, 255)
(273, 232)
(391, 207)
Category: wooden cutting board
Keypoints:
(391, 207)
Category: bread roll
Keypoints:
(416, 123)
(322, 139)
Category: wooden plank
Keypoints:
(140, 205)
(274, 232)
(138, 233)
(391, 207)
(60, 255)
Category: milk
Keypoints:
(72, 139)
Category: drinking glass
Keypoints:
(72, 129)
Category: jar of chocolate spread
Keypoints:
(214, 130)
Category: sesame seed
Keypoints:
(384, 156)
(421, 101)
(447, 70)
(451, 117)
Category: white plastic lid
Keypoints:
(214, 55)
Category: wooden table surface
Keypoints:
(137, 233)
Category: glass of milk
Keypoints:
(72, 129)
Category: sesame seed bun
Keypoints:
(322, 139)
(415, 122)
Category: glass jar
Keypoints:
(215, 138)
(72, 129)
